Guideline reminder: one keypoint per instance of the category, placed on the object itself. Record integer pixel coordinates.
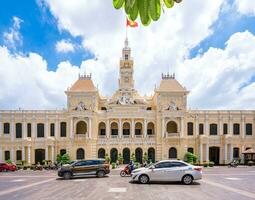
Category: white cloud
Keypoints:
(26, 82)
(64, 46)
(222, 78)
(12, 37)
(245, 7)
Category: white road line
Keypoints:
(118, 190)
(238, 191)
(233, 178)
(24, 187)
(17, 180)
(28, 176)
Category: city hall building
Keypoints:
(92, 126)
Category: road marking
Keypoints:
(17, 180)
(79, 180)
(238, 191)
(118, 190)
(24, 187)
(233, 179)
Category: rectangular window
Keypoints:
(52, 129)
(137, 131)
(102, 131)
(149, 132)
(213, 129)
(225, 129)
(236, 129)
(190, 128)
(18, 130)
(248, 128)
(6, 128)
(29, 130)
(126, 57)
(7, 155)
(63, 129)
(126, 132)
(18, 155)
(40, 130)
(201, 129)
(114, 131)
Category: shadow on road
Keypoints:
(164, 183)
(75, 178)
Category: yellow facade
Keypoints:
(126, 123)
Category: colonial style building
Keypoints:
(92, 126)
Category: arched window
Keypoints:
(171, 127)
(126, 155)
(18, 130)
(201, 129)
(114, 128)
(40, 130)
(81, 127)
(6, 128)
(150, 129)
(139, 155)
(236, 129)
(101, 128)
(114, 154)
(80, 154)
(190, 128)
(213, 129)
(172, 154)
(6, 155)
(63, 129)
(18, 155)
(151, 154)
(138, 128)
(248, 128)
(101, 153)
(126, 128)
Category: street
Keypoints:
(217, 183)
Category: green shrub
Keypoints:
(9, 161)
(137, 165)
(120, 158)
(190, 158)
(145, 157)
(205, 164)
(107, 158)
(113, 165)
(250, 163)
(133, 157)
(211, 164)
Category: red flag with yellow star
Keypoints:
(132, 23)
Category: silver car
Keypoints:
(168, 170)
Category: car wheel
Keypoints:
(143, 179)
(187, 179)
(100, 174)
(67, 175)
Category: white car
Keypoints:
(168, 170)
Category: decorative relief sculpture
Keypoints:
(81, 106)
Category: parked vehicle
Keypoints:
(7, 167)
(168, 170)
(83, 168)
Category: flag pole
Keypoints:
(126, 27)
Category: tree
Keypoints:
(145, 157)
(147, 9)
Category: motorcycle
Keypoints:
(126, 171)
(234, 164)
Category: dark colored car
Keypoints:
(4, 167)
(83, 168)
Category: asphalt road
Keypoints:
(217, 183)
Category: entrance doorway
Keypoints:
(126, 156)
(214, 155)
(39, 156)
(114, 155)
(151, 154)
(139, 155)
(101, 153)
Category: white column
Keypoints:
(133, 128)
(145, 128)
(108, 128)
(56, 128)
(196, 127)
(12, 155)
(24, 130)
(33, 134)
(226, 153)
(90, 129)
(243, 127)
(12, 131)
(71, 128)
(52, 153)
(220, 126)
(23, 153)
(120, 128)
(201, 153)
(231, 152)
(29, 154)
(163, 127)
(46, 153)
(207, 152)
(1, 154)
(182, 127)
(46, 127)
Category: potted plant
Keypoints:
(145, 157)
(250, 163)
(113, 165)
(211, 164)
(120, 158)
(133, 157)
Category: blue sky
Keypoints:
(39, 32)
(211, 51)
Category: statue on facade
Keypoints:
(81, 106)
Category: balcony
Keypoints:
(101, 136)
(114, 136)
(126, 136)
(171, 135)
(80, 136)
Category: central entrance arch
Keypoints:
(39, 156)
(101, 153)
(114, 155)
(214, 154)
(126, 155)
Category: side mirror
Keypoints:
(152, 167)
